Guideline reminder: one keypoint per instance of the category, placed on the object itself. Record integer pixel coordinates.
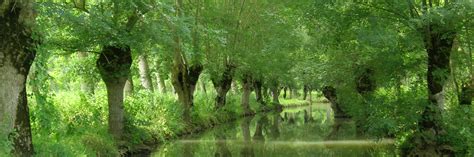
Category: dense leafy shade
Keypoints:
(397, 69)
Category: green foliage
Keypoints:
(278, 43)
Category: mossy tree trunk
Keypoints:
(184, 81)
(305, 91)
(185, 74)
(365, 86)
(438, 42)
(246, 90)
(222, 86)
(17, 52)
(330, 93)
(257, 84)
(275, 89)
(114, 67)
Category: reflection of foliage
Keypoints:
(294, 140)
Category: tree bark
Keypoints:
(257, 84)
(246, 90)
(222, 86)
(114, 67)
(184, 75)
(365, 85)
(330, 94)
(184, 82)
(17, 52)
(438, 42)
(144, 71)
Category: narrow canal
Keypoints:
(297, 131)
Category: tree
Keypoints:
(17, 50)
(92, 29)
(144, 70)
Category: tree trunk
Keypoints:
(222, 86)
(276, 100)
(17, 52)
(87, 84)
(184, 82)
(258, 92)
(246, 90)
(114, 67)
(365, 85)
(275, 94)
(284, 92)
(185, 75)
(161, 83)
(438, 42)
(330, 94)
(144, 71)
(305, 91)
(128, 88)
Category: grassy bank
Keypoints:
(316, 97)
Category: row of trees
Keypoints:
(405, 66)
(387, 51)
(247, 41)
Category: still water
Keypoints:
(301, 131)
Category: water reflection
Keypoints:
(247, 150)
(303, 131)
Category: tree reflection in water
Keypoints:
(305, 131)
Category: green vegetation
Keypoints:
(110, 77)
